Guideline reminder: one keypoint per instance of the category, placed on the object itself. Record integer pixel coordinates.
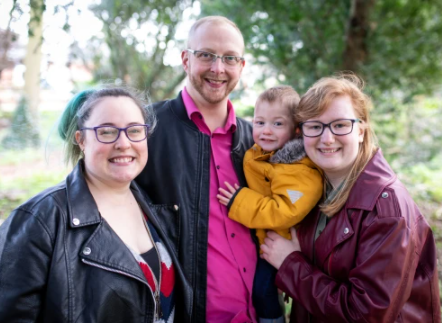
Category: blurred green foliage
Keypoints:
(307, 39)
(137, 35)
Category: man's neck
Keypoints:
(214, 114)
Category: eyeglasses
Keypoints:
(210, 58)
(340, 127)
(110, 134)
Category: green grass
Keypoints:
(26, 172)
(14, 191)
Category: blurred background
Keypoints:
(51, 49)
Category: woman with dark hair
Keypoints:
(365, 253)
(90, 249)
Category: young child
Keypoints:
(284, 185)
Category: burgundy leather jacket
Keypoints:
(375, 261)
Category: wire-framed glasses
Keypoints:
(110, 134)
(209, 58)
(340, 127)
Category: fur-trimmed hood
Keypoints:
(291, 152)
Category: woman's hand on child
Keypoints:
(225, 196)
(276, 248)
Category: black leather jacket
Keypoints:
(177, 179)
(47, 275)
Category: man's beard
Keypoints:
(204, 90)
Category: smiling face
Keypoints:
(117, 163)
(211, 83)
(272, 125)
(335, 154)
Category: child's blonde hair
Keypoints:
(284, 94)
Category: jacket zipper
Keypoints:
(125, 274)
(157, 284)
(195, 246)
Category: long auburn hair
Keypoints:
(314, 103)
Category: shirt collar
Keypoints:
(330, 192)
(192, 110)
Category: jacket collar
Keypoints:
(370, 183)
(363, 196)
(194, 113)
(83, 210)
(291, 152)
(179, 109)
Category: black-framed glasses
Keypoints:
(110, 134)
(340, 127)
(209, 58)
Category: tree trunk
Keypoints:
(33, 55)
(356, 51)
(6, 41)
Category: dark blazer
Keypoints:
(60, 261)
(177, 179)
(375, 261)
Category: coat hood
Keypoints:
(291, 152)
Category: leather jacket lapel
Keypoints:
(83, 210)
(105, 250)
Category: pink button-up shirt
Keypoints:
(231, 253)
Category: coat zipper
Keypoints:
(158, 311)
(195, 247)
(124, 274)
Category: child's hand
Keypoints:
(225, 196)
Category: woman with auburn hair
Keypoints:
(365, 253)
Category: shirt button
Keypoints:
(218, 167)
(244, 269)
(175, 207)
(346, 230)
(75, 221)
(87, 251)
(232, 235)
(266, 179)
(384, 195)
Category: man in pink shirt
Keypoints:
(197, 146)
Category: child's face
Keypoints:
(272, 125)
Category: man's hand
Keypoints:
(276, 248)
(224, 196)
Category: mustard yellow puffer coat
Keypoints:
(283, 187)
